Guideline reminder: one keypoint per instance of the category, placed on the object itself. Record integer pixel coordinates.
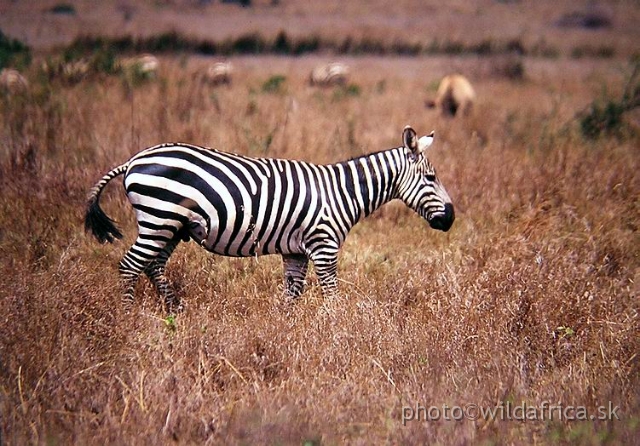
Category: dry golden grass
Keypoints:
(546, 236)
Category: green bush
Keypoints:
(282, 45)
(249, 44)
(306, 45)
(104, 61)
(13, 52)
(274, 84)
(63, 8)
(165, 42)
(607, 116)
(602, 119)
(343, 91)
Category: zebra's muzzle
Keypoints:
(443, 221)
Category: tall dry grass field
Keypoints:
(531, 298)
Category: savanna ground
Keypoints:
(532, 297)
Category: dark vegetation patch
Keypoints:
(63, 9)
(285, 44)
(13, 52)
(605, 116)
(593, 19)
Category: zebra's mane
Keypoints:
(367, 155)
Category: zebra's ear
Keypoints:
(409, 139)
(425, 141)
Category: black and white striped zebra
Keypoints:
(234, 205)
(329, 74)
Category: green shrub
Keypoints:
(249, 44)
(165, 42)
(282, 45)
(343, 91)
(407, 49)
(606, 116)
(274, 84)
(306, 45)
(13, 52)
(104, 61)
(63, 8)
(602, 119)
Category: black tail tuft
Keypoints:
(99, 224)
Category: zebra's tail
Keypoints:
(95, 220)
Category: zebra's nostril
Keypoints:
(449, 213)
(444, 221)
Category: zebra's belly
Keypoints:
(249, 242)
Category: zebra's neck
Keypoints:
(369, 181)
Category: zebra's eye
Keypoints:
(430, 177)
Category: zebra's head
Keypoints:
(420, 188)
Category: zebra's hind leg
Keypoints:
(155, 271)
(143, 252)
(295, 271)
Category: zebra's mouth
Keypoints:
(442, 221)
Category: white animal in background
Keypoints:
(218, 73)
(75, 71)
(455, 94)
(70, 72)
(12, 81)
(145, 65)
(330, 74)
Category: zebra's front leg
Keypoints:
(295, 271)
(326, 265)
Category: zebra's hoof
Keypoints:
(174, 307)
(127, 304)
(289, 300)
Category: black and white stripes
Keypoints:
(239, 206)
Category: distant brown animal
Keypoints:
(455, 94)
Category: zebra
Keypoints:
(218, 73)
(330, 74)
(11, 81)
(144, 66)
(234, 205)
